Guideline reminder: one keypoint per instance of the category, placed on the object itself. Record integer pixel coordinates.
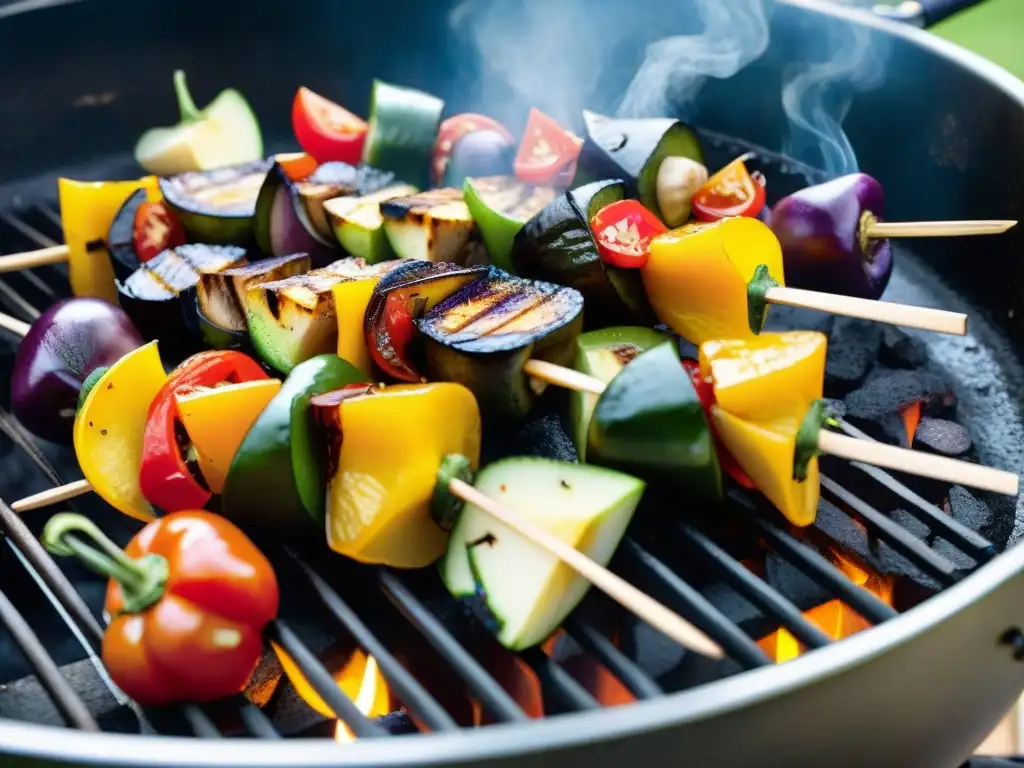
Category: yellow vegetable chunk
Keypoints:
(109, 428)
(696, 277)
(350, 301)
(391, 446)
(767, 376)
(87, 209)
(765, 450)
(218, 419)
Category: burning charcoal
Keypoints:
(901, 350)
(783, 318)
(893, 391)
(946, 438)
(958, 558)
(852, 349)
(792, 583)
(397, 723)
(966, 509)
(910, 523)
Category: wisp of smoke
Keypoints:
(816, 97)
(674, 69)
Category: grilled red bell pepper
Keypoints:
(706, 393)
(165, 477)
(623, 231)
(188, 600)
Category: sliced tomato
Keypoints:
(453, 129)
(326, 130)
(547, 153)
(733, 191)
(156, 229)
(394, 336)
(623, 231)
(706, 393)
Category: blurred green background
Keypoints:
(994, 29)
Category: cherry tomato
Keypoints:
(156, 229)
(326, 130)
(547, 153)
(623, 231)
(733, 191)
(390, 348)
(453, 129)
(706, 393)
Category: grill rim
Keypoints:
(517, 740)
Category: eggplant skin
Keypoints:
(121, 239)
(192, 197)
(482, 335)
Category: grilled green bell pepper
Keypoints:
(649, 422)
(603, 354)
(501, 206)
(277, 481)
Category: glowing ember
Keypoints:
(834, 618)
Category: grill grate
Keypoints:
(22, 295)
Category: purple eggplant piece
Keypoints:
(67, 343)
(823, 245)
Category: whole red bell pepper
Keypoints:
(706, 393)
(165, 477)
(188, 598)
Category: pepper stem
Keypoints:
(867, 221)
(445, 506)
(143, 580)
(89, 383)
(757, 290)
(187, 107)
(807, 438)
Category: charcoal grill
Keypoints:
(922, 688)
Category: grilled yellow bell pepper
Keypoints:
(766, 450)
(351, 297)
(766, 377)
(217, 420)
(87, 209)
(384, 452)
(697, 277)
(110, 425)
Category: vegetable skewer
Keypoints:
(965, 228)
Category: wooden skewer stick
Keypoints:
(621, 591)
(880, 229)
(55, 254)
(52, 496)
(922, 464)
(14, 325)
(924, 318)
(564, 377)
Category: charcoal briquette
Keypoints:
(852, 349)
(783, 318)
(901, 350)
(956, 556)
(968, 509)
(892, 392)
(942, 436)
(910, 523)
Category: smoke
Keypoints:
(816, 97)
(674, 69)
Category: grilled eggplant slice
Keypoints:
(221, 295)
(500, 206)
(430, 226)
(292, 320)
(216, 206)
(557, 245)
(633, 150)
(359, 226)
(407, 292)
(482, 336)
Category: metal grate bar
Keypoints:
(412, 694)
(953, 531)
(323, 683)
(28, 230)
(755, 590)
(53, 216)
(67, 702)
(823, 573)
(494, 698)
(696, 608)
(15, 300)
(557, 683)
(896, 536)
(200, 723)
(253, 720)
(602, 649)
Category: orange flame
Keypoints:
(359, 679)
(835, 618)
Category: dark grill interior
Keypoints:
(421, 641)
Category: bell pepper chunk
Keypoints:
(766, 377)
(384, 470)
(697, 276)
(766, 451)
(86, 210)
(351, 298)
(218, 419)
(110, 425)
